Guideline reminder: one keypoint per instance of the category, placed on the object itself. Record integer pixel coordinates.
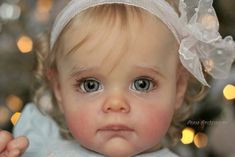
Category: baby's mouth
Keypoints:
(115, 128)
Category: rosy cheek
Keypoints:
(78, 124)
(155, 124)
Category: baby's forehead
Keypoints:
(115, 25)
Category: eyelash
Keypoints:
(155, 84)
(78, 83)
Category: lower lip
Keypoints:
(116, 130)
(115, 133)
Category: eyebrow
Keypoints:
(153, 69)
(76, 70)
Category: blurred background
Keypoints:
(210, 132)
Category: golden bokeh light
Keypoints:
(4, 115)
(229, 92)
(15, 117)
(44, 6)
(25, 44)
(14, 103)
(209, 22)
(200, 140)
(187, 135)
(209, 65)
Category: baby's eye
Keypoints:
(142, 85)
(90, 85)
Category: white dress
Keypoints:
(45, 141)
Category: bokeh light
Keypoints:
(25, 44)
(14, 103)
(209, 65)
(44, 6)
(43, 9)
(9, 11)
(200, 140)
(15, 117)
(229, 92)
(209, 22)
(187, 135)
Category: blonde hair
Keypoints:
(47, 61)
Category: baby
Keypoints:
(118, 76)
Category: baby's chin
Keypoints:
(122, 148)
(119, 152)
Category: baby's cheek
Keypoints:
(156, 125)
(80, 126)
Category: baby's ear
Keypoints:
(181, 85)
(52, 76)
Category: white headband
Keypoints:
(196, 30)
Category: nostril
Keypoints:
(115, 105)
(116, 109)
(108, 109)
(123, 109)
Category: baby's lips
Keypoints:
(115, 127)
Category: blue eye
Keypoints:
(90, 85)
(142, 85)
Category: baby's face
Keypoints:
(117, 100)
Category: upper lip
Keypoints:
(115, 127)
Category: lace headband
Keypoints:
(196, 30)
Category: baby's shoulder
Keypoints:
(40, 129)
(32, 120)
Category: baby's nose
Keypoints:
(116, 104)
